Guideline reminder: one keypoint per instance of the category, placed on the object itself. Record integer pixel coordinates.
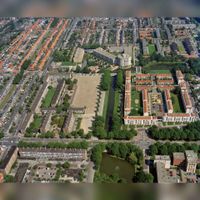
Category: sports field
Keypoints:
(86, 96)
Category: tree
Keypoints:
(153, 150)
(120, 81)
(66, 165)
(123, 151)
(142, 177)
(96, 155)
(133, 159)
(164, 150)
(8, 179)
(1, 135)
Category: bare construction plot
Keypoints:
(86, 96)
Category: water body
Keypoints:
(112, 165)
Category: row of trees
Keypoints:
(116, 133)
(120, 80)
(106, 80)
(59, 145)
(117, 117)
(19, 76)
(90, 46)
(191, 132)
(169, 148)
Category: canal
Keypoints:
(111, 101)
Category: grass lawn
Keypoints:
(151, 48)
(48, 98)
(160, 71)
(7, 97)
(37, 122)
(68, 63)
(177, 103)
(136, 103)
(116, 103)
(181, 48)
(162, 66)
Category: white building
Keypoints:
(140, 120)
(101, 53)
(124, 60)
(191, 161)
(165, 159)
(179, 117)
(78, 57)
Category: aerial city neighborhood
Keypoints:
(100, 100)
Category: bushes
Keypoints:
(191, 132)
(142, 177)
(104, 178)
(116, 133)
(1, 135)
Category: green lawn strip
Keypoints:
(162, 66)
(48, 98)
(136, 107)
(105, 107)
(7, 97)
(181, 48)
(68, 63)
(177, 103)
(37, 122)
(160, 72)
(151, 48)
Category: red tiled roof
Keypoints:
(186, 99)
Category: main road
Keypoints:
(141, 140)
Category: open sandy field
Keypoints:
(86, 95)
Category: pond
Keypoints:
(112, 165)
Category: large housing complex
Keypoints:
(156, 99)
